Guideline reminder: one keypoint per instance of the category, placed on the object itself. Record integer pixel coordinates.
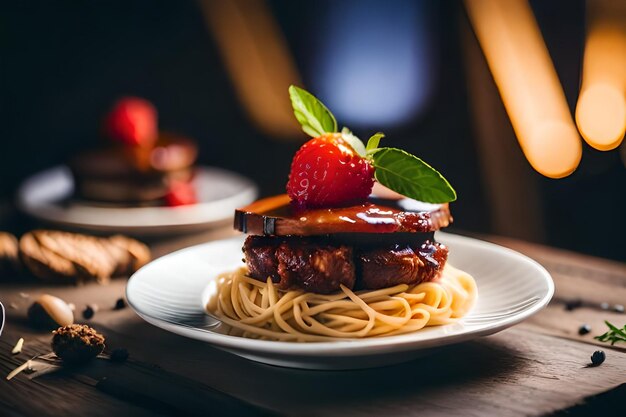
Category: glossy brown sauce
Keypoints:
(276, 216)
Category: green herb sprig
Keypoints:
(613, 335)
(394, 168)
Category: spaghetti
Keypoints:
(259, 310)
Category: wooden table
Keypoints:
(535, 368)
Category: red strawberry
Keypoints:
(133, 121)
(180, 193)
(327, 172)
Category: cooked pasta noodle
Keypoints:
(259, 310)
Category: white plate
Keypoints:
(45, 196)
(171, 292)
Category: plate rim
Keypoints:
(396, 343)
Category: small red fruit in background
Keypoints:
(327, 172)
(180, 193)
(133, 121)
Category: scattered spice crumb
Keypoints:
(18, 346)
(598, 357)
(120, 304)
(77, 343)
(604, 306)
(618, 308)
(24, 295)
(13, 306)
(584, 329)
(119, 355)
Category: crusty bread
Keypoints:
(75, 258)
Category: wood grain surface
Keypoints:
(535, 368)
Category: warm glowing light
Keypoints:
(601, 108)
(258, 60)
(528, 84)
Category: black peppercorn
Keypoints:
(573, 304)
(120, 304)
(584, 329)
(89, 312)
(119, 355)
(598, 357)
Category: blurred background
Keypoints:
(218, 72)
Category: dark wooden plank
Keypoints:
(569, 264)
(42, 397)
(531, 369)
(146, 386)
(576, 276)
(515, 372)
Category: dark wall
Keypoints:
(63, 63)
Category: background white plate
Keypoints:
(171, 292)
(45, 196)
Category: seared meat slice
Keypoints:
(314, 265)
(300, 263)
(386, 267)
(260, 256)
(381, 268)
(434, 256)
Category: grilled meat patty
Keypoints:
(401, 264)
(318, 266)
(299, 263)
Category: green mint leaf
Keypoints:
(410, 176)
(614, 334)
(353, 141)
(372, 143)
(314, 117)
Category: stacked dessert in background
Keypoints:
(139, 165)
